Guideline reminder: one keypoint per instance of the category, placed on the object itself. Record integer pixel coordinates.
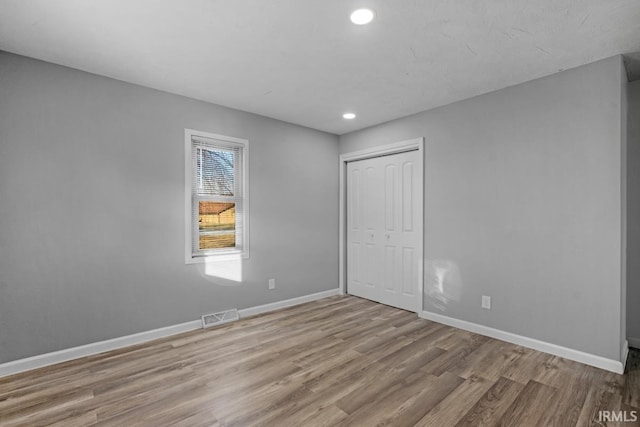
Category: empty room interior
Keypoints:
(319, 213)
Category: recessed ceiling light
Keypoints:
(349, 116)
(362, 16)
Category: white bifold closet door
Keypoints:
(384, 229)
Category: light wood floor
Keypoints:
(341, 361)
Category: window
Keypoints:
(216, 199)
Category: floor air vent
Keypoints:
(214, 319)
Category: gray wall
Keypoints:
(633, 214)
(92, 209)
(523, 203)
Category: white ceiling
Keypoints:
(304, 62)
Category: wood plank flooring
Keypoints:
(341, 361)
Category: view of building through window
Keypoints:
(215, 179)
(217, 225)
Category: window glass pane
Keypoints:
(215, 172)
(217, 225)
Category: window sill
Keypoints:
(226, 256)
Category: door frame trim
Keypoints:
(381, 150)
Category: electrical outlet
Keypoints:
(486, 302)
(272, 283)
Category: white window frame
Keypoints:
(222, 141)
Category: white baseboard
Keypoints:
(545, 347)
(252, 311)
(625, 354)
(47, 359)
(634, 342)
(29, 363)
